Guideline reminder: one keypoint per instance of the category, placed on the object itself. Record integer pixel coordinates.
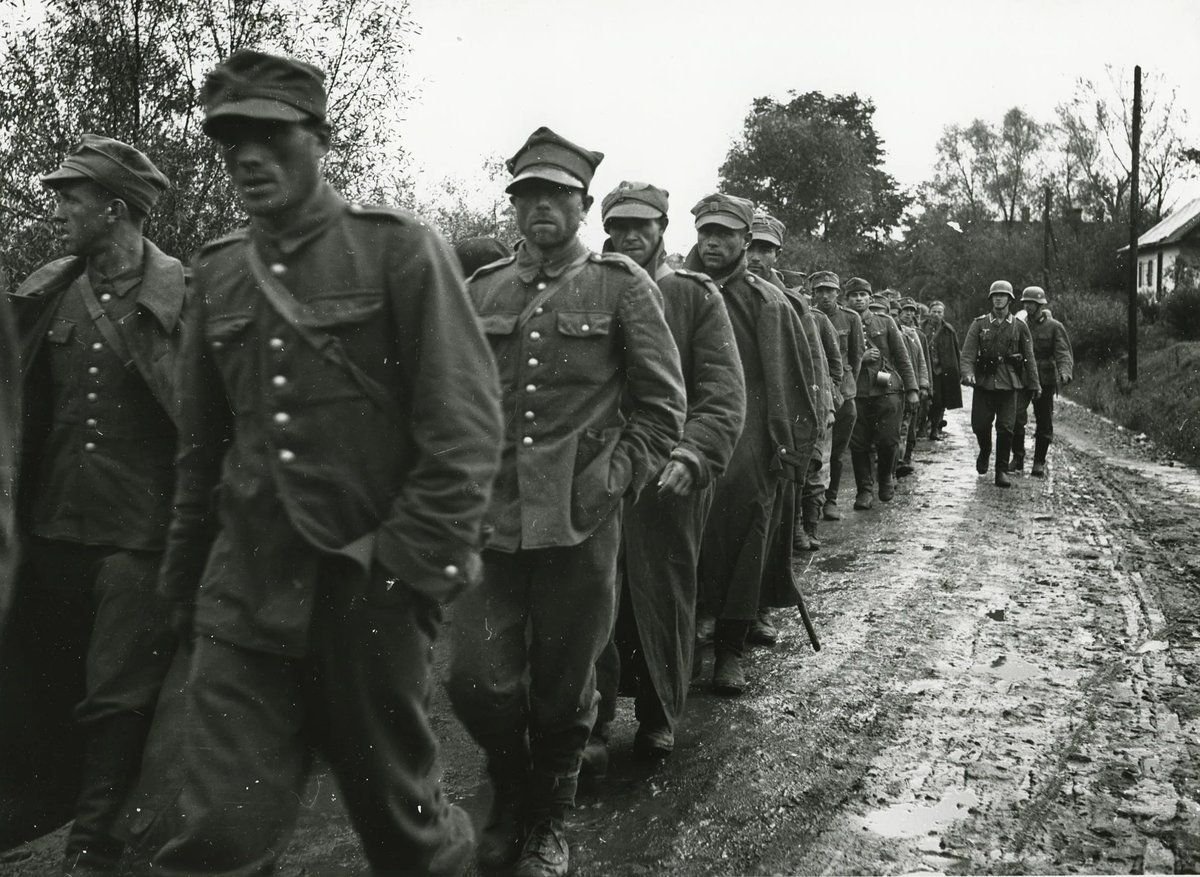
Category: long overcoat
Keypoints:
(944, 364)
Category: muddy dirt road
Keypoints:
(1010, 683)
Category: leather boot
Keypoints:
(729, 644)
(835, 481)
(830, 512)
(504, 832)
(810, 528)
(887, 465)
(1002, 446)
(985, 454)
(862, 478)
(1041, 445)
(800, 541)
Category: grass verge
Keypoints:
(1164, 403)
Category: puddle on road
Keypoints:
(920, 820)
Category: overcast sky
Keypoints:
(662, 86)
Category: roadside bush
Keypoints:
(1181, 306)
(1097, 323)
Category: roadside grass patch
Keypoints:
(1164, 403)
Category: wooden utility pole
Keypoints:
(1046, 240)
(1133, 220)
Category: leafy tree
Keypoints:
(985, 170)
(815, 162)
(1096, 138)
(132, 69)
(462, 208)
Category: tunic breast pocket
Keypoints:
(584, 348)
(60, 331)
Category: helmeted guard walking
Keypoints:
(594, 405)
(998, 361)
(1055, 367)
(340, 432)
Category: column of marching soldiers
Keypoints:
(288, 462)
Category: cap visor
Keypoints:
(722, 219)
(825, 284)
(547, 173)
(769, 238)
(64, 175)
(632, 210)
(260, 108)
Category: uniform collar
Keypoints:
(163, 286)
(1007, 319)
(120, 283)
(312, 219)
(530, 267)
(738, 272)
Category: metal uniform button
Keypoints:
(92, 397)
(535, 335)
(93, 370)
(529, 388)
(279, 380)
(106, 297)
(96, 345)
(527, 441)
(282, 418)
(286, 456)
(276, 343)
(529, 415)
(585, 327)
(278, 268)
(91, 423)
(539, 310)
(89, 446)
(540, 287)
(451, 571)
(533, 361)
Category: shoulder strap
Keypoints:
(551, 289)
(110, 332)
(327, 345)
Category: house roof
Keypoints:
(1171, 229)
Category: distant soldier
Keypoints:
(943, 367)
(739, 573)
(655, 633)
(998, 360)
(341, 405)
(848, 325)
(594, 402)
(98, 333)
(1055, 366)
(918, 353)
(887, 383)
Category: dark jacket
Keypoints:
(880, 331)
(571, 449)
(1052, 348)
(400, 477)
(848, 326)
(944, 364)
(1008, 345)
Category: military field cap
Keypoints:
(116, 166)
(633, 200)
(1001, 287)
(879, 300)
(907, 304)
(727, 210)
(1034, 294)
(795, 278)
(549, 156)
(933, 304)
(255, 85)
(767, 228)
(474, 253)
(824, 278)
(857, 284)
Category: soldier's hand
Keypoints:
(967, 381)
(1065, 379)
(676, 478)
(871, 355)
(911, 398)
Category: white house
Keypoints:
(1161, 246)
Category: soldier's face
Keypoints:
(938, 311)
(1031, 307)
(549, 215)
(636, 238)
(859, 300)
(761, 257)
(825, 297)
(999, 302)
(274, 166)
(908, 317)
(82, 218)
(720, 247)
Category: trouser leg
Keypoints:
(730, 636)
(982, 416)
(1043, 412)
(245, 761)
(1020, 418)
(1004, 404)
(936, 415)
(572, 603)
(843, 426)
(368, 698)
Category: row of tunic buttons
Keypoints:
(91, 423)
(535, 335)
(281, 418)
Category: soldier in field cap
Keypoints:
(595, 404)
(744, 564)
(339, 398)
(98, 334)
(655, 632)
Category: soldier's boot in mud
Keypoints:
(887, 464)
(729, 644)
(1003, 443)
(454, 855)
(863, 480)
(546, 852)
(830, 512)
(805, 537)
(985, 454)
(595, 754)
(504, 832)
(762, 632)
(810, 530)
(800, 540)
(830, 509)
(1040, 446)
